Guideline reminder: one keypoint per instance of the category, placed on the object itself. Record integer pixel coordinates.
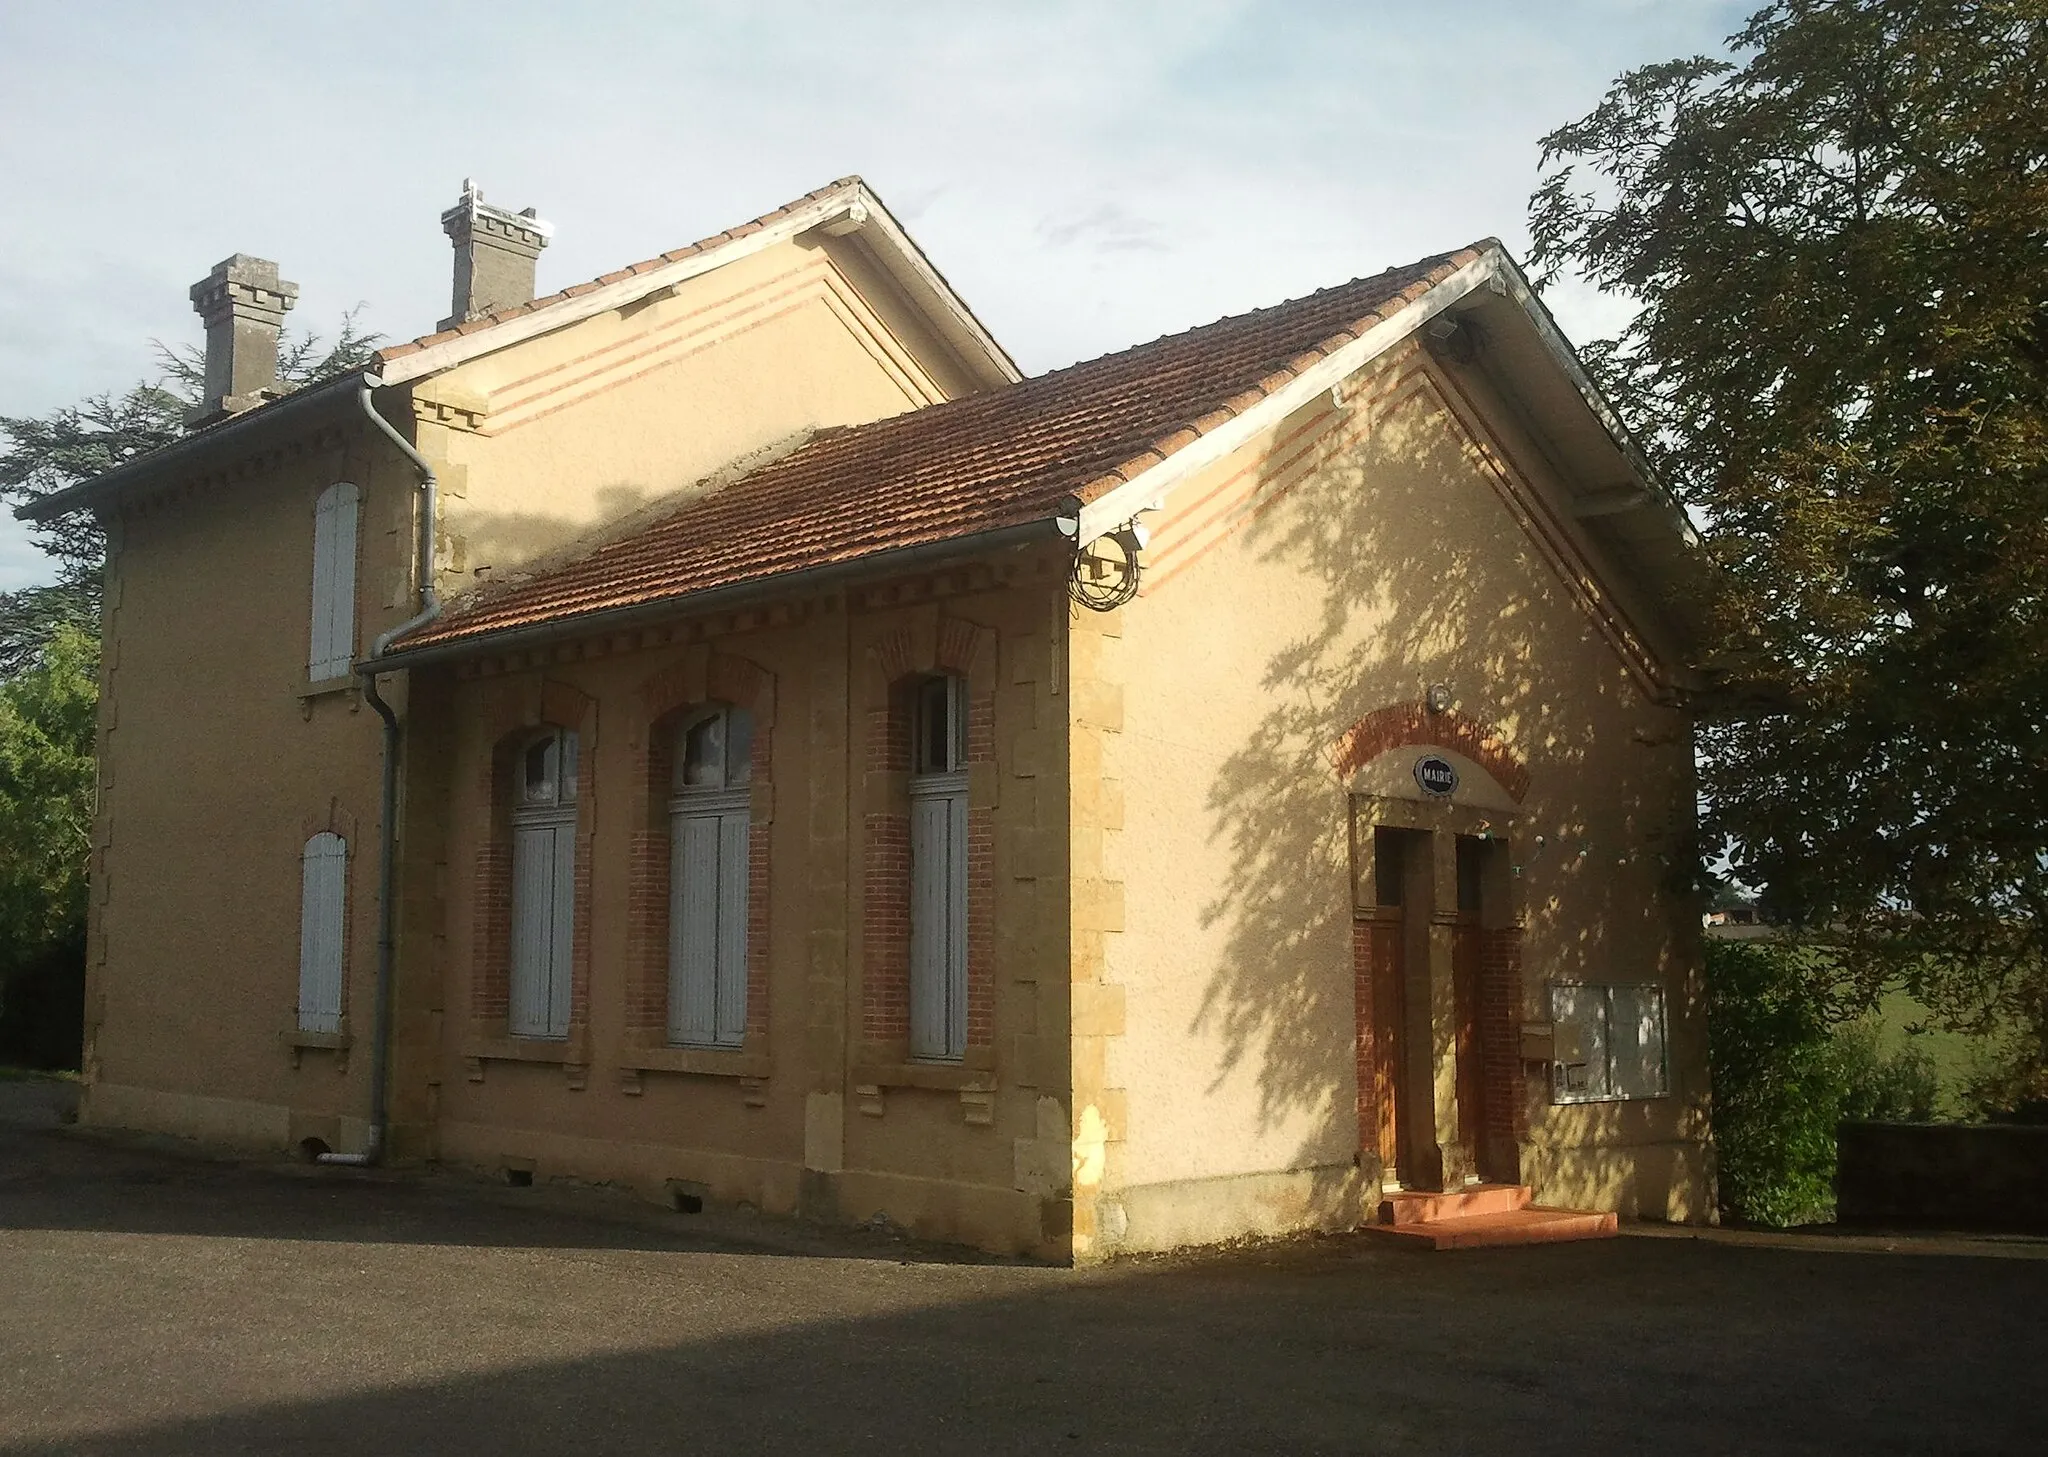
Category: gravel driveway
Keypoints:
(159, 1302)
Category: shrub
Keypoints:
(1787, 1074)
(1778, 1080)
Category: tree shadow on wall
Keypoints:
(1423, 575)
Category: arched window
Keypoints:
(334, 583)
(323, 911)
(543, 883)
(709, 825)
(938, 870)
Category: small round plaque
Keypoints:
(1436, 775)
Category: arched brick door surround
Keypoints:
(1400, 725)
(1406, 725)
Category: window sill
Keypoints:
(311, 688)
(952, 1077)
(571, 1054)
(525, 1049)
(296, 1042)
(705, 1062)
(331, 1041)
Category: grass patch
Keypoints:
(11, 1074)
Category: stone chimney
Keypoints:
(494, 255)
(243, 302)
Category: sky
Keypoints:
(1087, 176)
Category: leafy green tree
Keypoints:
(47, 723)
(1837, 241)
(45, 454)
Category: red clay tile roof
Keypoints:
(646, 265)
(1006, 457)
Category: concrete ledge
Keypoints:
(1150, 1218)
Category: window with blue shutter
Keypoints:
(323, 911)
(710, 822)
(543, 884)
(938, 871)
(334, 583)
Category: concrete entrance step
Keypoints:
(1529, 1225)
(1421, 1206)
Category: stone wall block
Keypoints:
(1098, 904)
(1098, 1010)
(1098, 704)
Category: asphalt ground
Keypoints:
(155, 1301)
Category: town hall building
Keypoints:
(721, 729)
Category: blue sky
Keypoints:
(1087, 175)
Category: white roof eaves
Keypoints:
(1492, 268)
(853, 204)
(1110, 510)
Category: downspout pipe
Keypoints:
(387, 847)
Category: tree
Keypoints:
(47, 722)
(49, 681)
(45, 454)
(1837, 239)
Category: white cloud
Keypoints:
(1087, 175)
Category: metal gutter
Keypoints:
(387, 837)
(606, 619)
(236, 429)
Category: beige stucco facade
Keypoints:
(1173, 807)
(1338, 566)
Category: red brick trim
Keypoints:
(1364, 1042)
(666, 700)
(511, 718)
(1375, 951)
(333, 819)
(1500, 1052)
(1399, 725)
(900, 658)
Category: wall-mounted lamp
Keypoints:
(1105, 580)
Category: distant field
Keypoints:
(1902, 1020)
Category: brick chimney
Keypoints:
(243, 303)
(494, 255)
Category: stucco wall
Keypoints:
(817, 1119)
(216, 764)
(1344, 563)
(617, 414)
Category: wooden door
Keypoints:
(1389, 1014)
(1466, 946)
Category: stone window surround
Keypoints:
(895, 664)
(702, 678)
(511, 719)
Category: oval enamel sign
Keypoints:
(1436, 775)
